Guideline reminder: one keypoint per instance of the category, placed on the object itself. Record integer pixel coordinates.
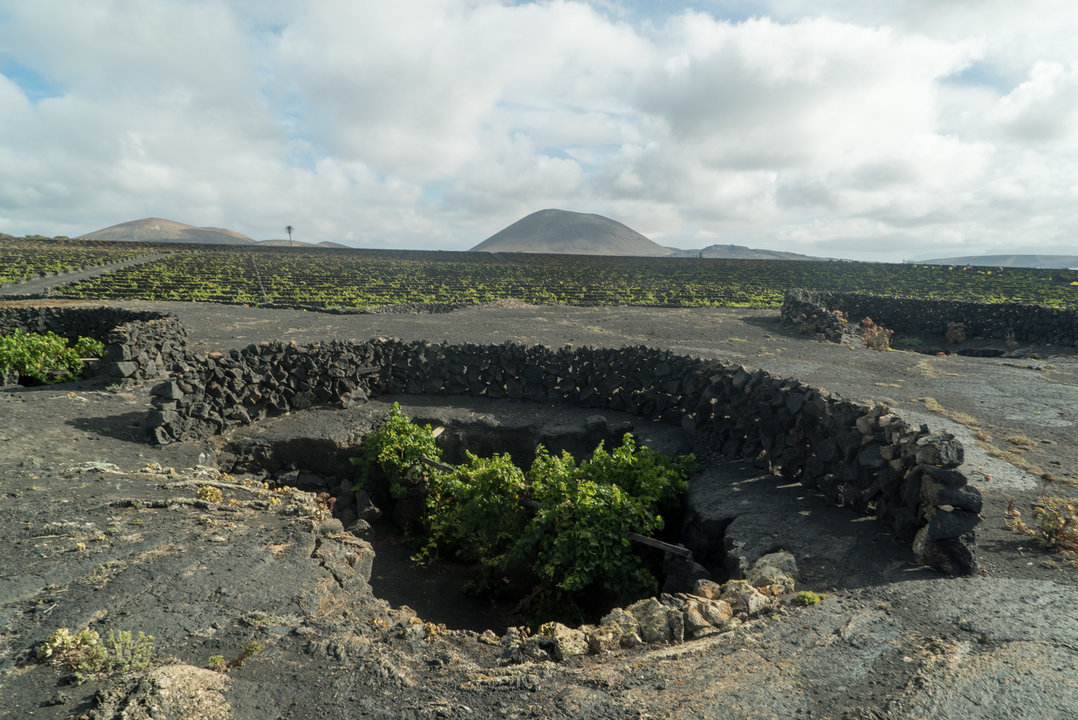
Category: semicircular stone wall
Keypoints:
(866, 458)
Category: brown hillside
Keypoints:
(160, 230)
(561, 231)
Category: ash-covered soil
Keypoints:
(100, 528)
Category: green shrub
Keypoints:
(210, 494)
(45, 358)
(807, 597)
(396, 449)
(568, 522)
(579, 536)
(479, 510)
(90, 657)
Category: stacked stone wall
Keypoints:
(866, 458)
(1035, 324)
(806, 312)
(138, 345)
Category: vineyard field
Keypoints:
(332, 278)
(26, 258)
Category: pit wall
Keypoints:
(866, 458)
(138, 345)
(1036, 324)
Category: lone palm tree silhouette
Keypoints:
(288, 229)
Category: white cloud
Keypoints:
(815, 114)
(416, 95)
(1043, 109)
(127, 48)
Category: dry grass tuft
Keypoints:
(959, 417)
(1022, 443)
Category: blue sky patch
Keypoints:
(35, 86)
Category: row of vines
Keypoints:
(326, 278)
(358, 278)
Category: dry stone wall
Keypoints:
(815, 313)
(138, 345)
(806, 311)
(866, 458)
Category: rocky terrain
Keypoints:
(264, 605)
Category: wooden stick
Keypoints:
(436, 465)
(678, 550)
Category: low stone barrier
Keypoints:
(806, 312)
(138, 345)
(815, 313)
(866, 458)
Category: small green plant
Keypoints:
(1055, 524)
(90, 657)
(209, 493)
(218, 662)
(252, 649)
(807, 597)
(45, 357)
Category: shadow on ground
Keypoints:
(128, 426)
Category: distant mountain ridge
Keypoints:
(161, 230)
(1010, 260)
(566, 232)
(545, 231)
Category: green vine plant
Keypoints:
(45, 357)
(563, 524)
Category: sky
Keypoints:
(864, 129)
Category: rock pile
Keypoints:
(671, 618)
(802, 310)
